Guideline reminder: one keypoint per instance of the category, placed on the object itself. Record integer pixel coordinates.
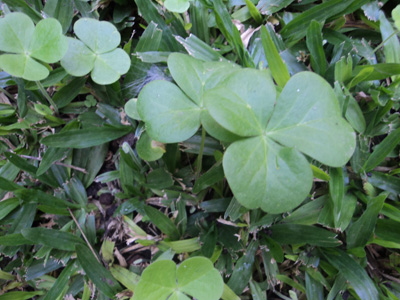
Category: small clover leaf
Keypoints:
(26, 44)
(196, 277)
(96, 52)
(178, 6)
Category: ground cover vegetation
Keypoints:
(200, 149)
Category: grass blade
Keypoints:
(84, 138)
(353, 272)
(382, 150)
(278, 68)
(52, 238)
(99, 275)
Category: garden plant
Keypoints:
(196, 149)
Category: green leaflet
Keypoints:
(258, 169)
(160, 104)
(195, 277)
(178, 6)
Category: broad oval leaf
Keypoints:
(48, 43)
(170, 116)
(16, 30)
(243, 103)
(188, 73)
(99, 36)
(216, 130)
(109, 67)
(195, 77)
(263, 174)
(257, 89)
(195, 277)
(149, 149)
(79, 60)
(131, 109)
(232, 112)
(178, 6)
(307, 116)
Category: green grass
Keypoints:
(99, 181)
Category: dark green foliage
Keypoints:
(199, 149)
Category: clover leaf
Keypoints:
(195, 277)
(96, 52)
(26, 46)
(267, 169)
(265, 165)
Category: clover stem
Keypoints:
(7, 93)
(199, 160)
(46, 95)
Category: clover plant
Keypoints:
(27, 46)
(195, 277)
(96, 52)
(266, 164)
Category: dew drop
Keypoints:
(298, 90)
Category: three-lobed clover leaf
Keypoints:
(96, 52)
(265, 165)
(267, 170)
(26, 45)
(195, 277)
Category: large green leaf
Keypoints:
(307, 116)
(160, 104)
(19, 36)
(195, 277)
(96, 51)
(260, 172)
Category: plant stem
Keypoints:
(7, 93)
(46, 95)
(56, 163)
(199, 161)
